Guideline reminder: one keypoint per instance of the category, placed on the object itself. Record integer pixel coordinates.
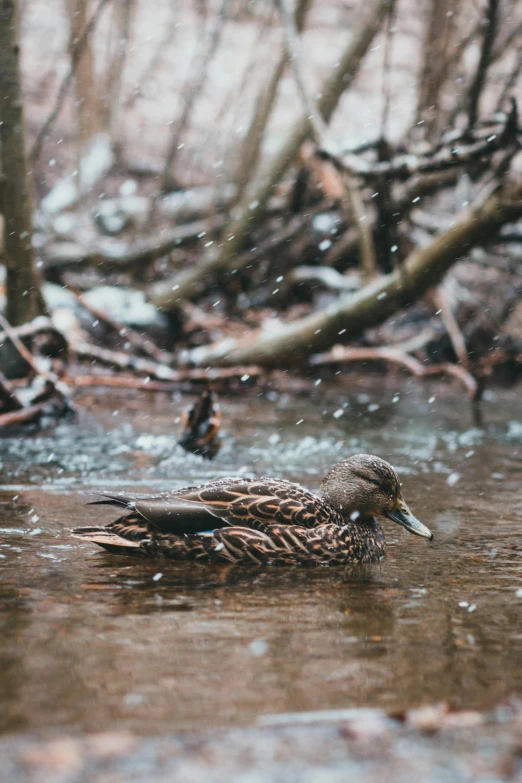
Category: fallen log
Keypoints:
(375, 302)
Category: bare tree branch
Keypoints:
(475, 91)
(191, 282)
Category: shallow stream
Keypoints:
(91, 641)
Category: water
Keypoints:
(91, 641)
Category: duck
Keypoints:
(263, 521)
(201, 424)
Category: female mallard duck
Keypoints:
(238, 520)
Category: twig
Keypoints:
(155, 370)
(57, 386)
(123, 361)
(504, 45)
(340, 355)
(438, 57)
(292, 44)
(469, 382)
(39, 325)
(62, 92)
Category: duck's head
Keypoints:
(366, 486)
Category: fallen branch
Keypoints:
(38, 325)
(153, 370)
(404, 166)
(53, 398)
(343, 355)
(123, 361)
(211, 374)
(340, 355)
(23, 415)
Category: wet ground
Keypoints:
(92, 642)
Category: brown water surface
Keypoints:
(90, 641)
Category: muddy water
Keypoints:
(91, 641)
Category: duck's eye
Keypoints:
(374, 482)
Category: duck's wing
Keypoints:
(249, 503)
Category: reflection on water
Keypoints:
(90, 640)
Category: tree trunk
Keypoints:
(123, 12)
(440, 33)
(251, 146)
(24, 301)
(90, 110)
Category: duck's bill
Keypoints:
(403, 516)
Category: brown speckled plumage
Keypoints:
(263, 521)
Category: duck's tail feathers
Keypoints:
(116, 498)
(107, 539)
